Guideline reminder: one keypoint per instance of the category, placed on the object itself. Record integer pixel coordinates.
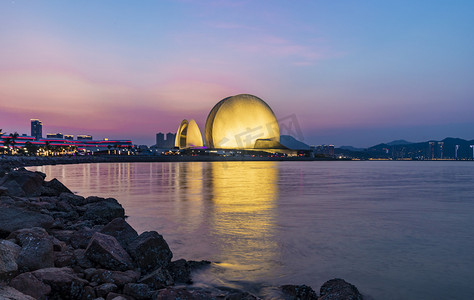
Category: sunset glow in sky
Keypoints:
(352, 72)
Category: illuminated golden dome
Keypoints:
(237, 122)
(188, 135)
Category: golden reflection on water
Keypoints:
(228, 209)
(244, 212)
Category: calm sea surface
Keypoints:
(396, 230)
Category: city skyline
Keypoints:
(351, 73)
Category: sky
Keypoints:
(343, 72)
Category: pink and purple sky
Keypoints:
(353, 73)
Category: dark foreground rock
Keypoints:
(57, 245)
(339, 289)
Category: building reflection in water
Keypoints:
(244, 197)
(219, 211)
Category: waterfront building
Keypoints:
(162, 143)
(242, 122)
(82, 137)
(188, 135)
(36, 129)
(170, 139)
(160, 140)
(54, 136)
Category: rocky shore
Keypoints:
(58, 245)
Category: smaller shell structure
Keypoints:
(188, 135)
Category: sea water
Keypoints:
(394, 229)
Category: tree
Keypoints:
(32, 149)
(13, 137)
(6, 143)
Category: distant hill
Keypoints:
(398, 142)
(401, 149)
(292, 143)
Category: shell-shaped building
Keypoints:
(241, 122)
(188, 135)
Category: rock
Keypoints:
(64, 283)
(55, 187)
(72, 199)
(13, 188)
(9, 293)
(150, 251)
(104, 211)
(139, 291)
(28, 284)
(64, 258)
(81, 259)
(81, 237)
(13, 218)
(302, 292)
(29, 182)
(89, 293)
(172, 293)
(3, 190)
(103, 289)
(339, 289)
(243, 296)
(114, 296)
(106, 251)
(121, 230)
(8, 255)
(195, 265)
(158, 279)
(36, 248)
(180, 271)
(64, 235)
(116, 277)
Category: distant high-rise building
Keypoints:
(68, 137)
(84, 137)
(160, 140)
(170, 137)
(161, 143)
(36, 129)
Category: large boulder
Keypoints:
(121, 230)
(118, 278)
(104, 289)
(9, 293)
(81, 237)
(139, 291)
(106, 251)
(158, 279)
(72, 199)
(30, 182)
(150, 251)
(51, 283)
(8, 255)
(28, 284)
(14, 218)
(36, 248)
(339, 289)
(302, 292)
(63, 282)
(180, 271)
(104, 211)
(54, 188)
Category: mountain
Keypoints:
(291, 143)
(398, 142)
